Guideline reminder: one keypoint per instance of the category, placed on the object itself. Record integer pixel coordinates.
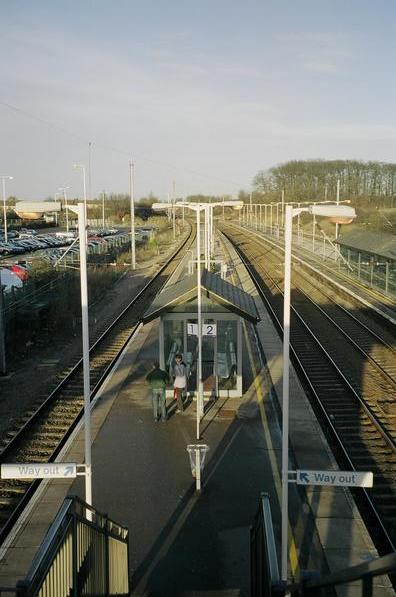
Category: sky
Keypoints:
(204, 93)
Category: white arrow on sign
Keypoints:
(335, 478)
(49, 470)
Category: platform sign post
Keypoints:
(197, 454)
(329, 211)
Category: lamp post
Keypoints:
(132, 200)
(341, 212)
(64, 189)
(82, 168)
(80, 209)
(103, 208)
(198, 207)
(3, 179)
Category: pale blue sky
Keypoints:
(206, 93)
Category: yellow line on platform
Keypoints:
(257, 377)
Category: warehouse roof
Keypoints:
(383, 244)
(217, 290)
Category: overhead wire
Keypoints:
(111, 148)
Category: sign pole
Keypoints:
(197, 469)
(199, 318)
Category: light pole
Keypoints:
(80, 209)
(64, 189)
(198, 207)
(82, 168)
(3, 179)
(103, 208)
(174, 208)
(341, 213)
(132, 199)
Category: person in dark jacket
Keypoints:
(158, 379)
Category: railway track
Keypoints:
(43, 435)
(349, 369)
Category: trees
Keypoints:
(315, 180)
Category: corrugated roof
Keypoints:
(218, 290)
(382, 244)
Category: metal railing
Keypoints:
(264, 573)
(365, 573)
(83, 553)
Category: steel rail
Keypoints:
(29, 488)
(386, 538)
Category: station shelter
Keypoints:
(223, 308)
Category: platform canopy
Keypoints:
(382, 244)
(213, 287)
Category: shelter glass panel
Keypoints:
(227, 340)
(173, 340)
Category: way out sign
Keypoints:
(208, 329)
(51, 470)
(335, 478)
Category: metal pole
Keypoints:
(271, 218)
(337, 230)
(265, 217)
(103, 209)
(174, 209)
(66, 209)
(85, 200)
(3, 367)
(285, 390)
(251, 215)
(132, 201)
(4, 210)
(283, 207)
(197, 469)
(199, 394)
(313, 233)
(85, 341)
(206, 236)
(298, 225)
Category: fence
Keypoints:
(377, 274)
(83, 553)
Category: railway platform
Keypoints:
(182, 543)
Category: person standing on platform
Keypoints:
(158, 379)
(180, 381)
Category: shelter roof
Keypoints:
(383, 244)
(217, 290)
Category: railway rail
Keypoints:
(43, 435)
(349, 369)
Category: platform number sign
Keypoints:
(208, 329)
